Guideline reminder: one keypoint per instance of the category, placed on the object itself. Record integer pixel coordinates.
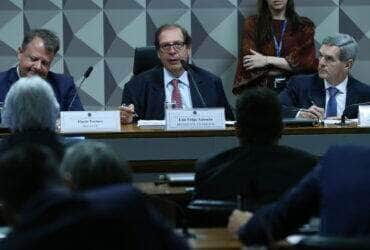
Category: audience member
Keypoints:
(45, 215)
(35, 56)
(89, 165)
(30, 111)
(332, 91)
(336, 190)
(259, 169)
(276, 43)
(147, 92)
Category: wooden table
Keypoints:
(213, 238)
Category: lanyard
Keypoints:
(279, 45)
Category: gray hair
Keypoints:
(93, 164)
(51, 41)
(346, 43)
(30, 105)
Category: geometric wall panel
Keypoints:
(104, 34)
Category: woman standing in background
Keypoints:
(276, 43)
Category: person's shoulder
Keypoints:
(250, 19)
(306, 22)
(145, 77)
(297, 153)
(303, 79)
(358, 83)
(204, 73)
(214, 160)
(6, 74)
(59, 78)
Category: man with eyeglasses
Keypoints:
(145, 95)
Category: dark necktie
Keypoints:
(176, 95)
(331, 109)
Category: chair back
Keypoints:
(145, 58)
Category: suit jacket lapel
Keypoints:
(195, 98)
(318, 92)
(157, 93)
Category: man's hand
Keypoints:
(313, 112)
(236, 220)
(127, 113)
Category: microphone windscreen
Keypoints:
(88, 71)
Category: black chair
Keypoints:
(338, 243)
(145, 58)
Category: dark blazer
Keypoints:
(146, 91)
(63, 86)
(114, 217)
(304, 90)
(260, 173)
(337, 190)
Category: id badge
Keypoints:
(278, 80)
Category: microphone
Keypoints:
(343, 117)
(86, 75)
(186, 66)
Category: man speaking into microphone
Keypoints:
(332, 91)
(147, 93)
(35, 56)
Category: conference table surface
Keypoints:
(133, 131)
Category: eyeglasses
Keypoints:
(165, 47)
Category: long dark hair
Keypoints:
(264, 20)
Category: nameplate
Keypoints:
(90, 121)
(195, 119)
(364, 116)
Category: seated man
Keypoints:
(147, 93)
(88, 165)
(35, 56)
(45, 215)
(336, 190)
(332, 90)
(259, 169)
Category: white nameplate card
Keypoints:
(90, 121)
(195, 119)
(364, 116)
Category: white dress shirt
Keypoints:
(184, 86)
(340, 97)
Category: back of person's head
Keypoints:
(89, 165)
(30, 105)
(26, 170)
(258, 117)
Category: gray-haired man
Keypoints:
(332, 91)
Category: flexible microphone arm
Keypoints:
(186, 66)
(86, 75)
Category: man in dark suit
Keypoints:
(259, 169)
(332, 91)
(147, 93)
(35, 56)
(45, 215)
(337, 190)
